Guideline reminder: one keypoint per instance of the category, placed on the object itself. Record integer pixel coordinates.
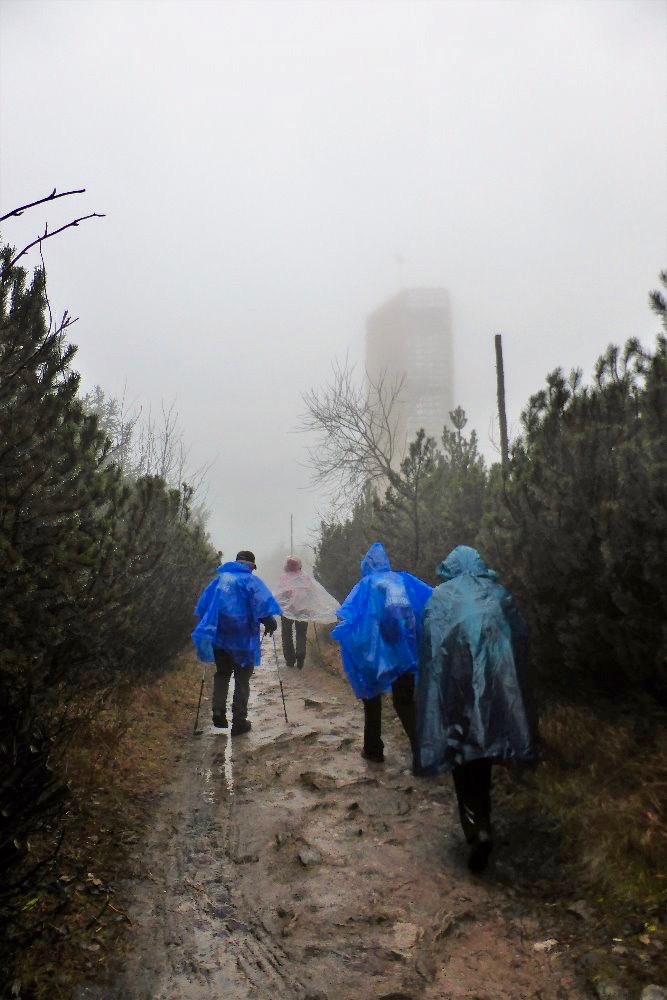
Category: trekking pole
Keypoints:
(195, 731)
(319, 648)
(282, 693)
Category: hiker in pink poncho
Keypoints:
(302, 600)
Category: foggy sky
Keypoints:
(264, 165)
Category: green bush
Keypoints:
(579, 527)
(99, 572)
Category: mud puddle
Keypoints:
(284, 865)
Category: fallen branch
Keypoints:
(121, 912)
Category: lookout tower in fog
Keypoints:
(410, 337)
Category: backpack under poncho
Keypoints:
(381, 625)
(305, 600)
(230, 609)
(471, 695)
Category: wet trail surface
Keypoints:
(284, 865)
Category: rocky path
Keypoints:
(283, 865)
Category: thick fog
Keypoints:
(271, 172)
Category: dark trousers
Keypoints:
(225, 668)
(472, 782)
(402, 695)
(287, 625)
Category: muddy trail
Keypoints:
(282, 864)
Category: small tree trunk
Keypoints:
(502, 415)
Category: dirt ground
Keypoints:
(284, 865)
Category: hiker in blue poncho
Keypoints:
(231, 610)
(378, 633)
(472, 706)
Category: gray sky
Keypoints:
(262, 165)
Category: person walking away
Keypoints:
(231, 610)
(379, 633)
(302, 600)
(473, 709)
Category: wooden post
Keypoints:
(502, 414)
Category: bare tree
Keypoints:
(356, 424)
(118, 422)
(152, 446)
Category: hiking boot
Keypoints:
(299, 662)
(220, 721)
(478, 858)
(239, 728)
(374, 758)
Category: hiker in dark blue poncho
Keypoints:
(231, 610)
(472, 706)
(378, 634)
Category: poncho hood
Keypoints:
(376, 560)
(305, 600)
(234, 567)
(464, 559)
(473, 700)
(380, 626)
(229, 611)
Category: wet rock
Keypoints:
(317, 782)
(607, 989)
(653, 993)
(186, 906)
(314, 703)
(405, 936)
(247, 859)
(425, 966)
(445, 925)
(582, 909)
(309, 856)
(289, 926)
(545, 946)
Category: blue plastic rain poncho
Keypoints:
(229, 612)
(471, 700)
(381, 625)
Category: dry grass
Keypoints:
(323, 652)
(117, 767)
(606, 784)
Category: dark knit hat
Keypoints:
(246, 556)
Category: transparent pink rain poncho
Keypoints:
(302, 598)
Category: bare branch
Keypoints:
(49, 197)
(47, 235)
(356, 423)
